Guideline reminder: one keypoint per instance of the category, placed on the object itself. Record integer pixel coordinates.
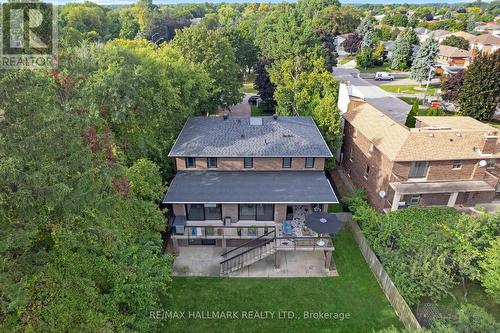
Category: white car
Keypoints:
(383, 76)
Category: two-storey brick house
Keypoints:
(239, 178)
(448, 161)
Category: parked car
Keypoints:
(254, 100)
(383, 76)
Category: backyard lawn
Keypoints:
(408, 89)
(354, 292)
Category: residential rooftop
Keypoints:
(486, 39)
(250, 187)
(437, 138)
(250, 137)
(453, 52)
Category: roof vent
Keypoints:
(255, 121)
(275, 116)
(225, 116)
(242, 136)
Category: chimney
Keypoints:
(489, 143)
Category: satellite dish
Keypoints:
(482, 163)
(382, 194)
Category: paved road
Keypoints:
(382, 100)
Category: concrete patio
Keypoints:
(204, 261)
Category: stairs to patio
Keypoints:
(250, 252)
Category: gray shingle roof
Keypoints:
(250, 187)
(235, 137)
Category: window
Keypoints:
(248, 162)
(211, 162)
(491, 163)
(190, 162)
(367, 172)
(258, 212)
(200, 212)
(287, 162)
(418, 169)
(265, 212)
(411, 199)
(195, 212)
(309, 162)
(351, 154)
(213, 212)
(457, 165)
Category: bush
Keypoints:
(474, 319)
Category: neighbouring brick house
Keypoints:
(449, 161)
(239, 179)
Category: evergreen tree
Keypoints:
(481, 89)
(470, 23)
(424, 60)
(401, 56)
(367, 43)
(365, 26)
(410, 119)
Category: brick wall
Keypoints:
(380, 166)
(279, 212)
(230, 210)
(259, 164)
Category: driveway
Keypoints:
(382, 100)
(241, 109)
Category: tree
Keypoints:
(410, 119)
(145, 180)
(353, 43)
(79, 249)
(448, 15)
(474, 319)
(379, 55)
(263, 82)
(308, 93)
(470, 23)
(480, 94)
(491, 275)
(365, 26)
(456, 41)
(452, 86)
(367, 42)
(402, 54)
(214, 52)
(364, 59)
(424, 60)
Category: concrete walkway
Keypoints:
(205, 261)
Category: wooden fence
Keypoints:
(391, 292)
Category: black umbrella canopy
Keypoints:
(323, 223)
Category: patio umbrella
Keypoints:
(323, 223)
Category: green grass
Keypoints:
(248, 88)
(346, 59)
(410, 100)
(258, 112)
(384, 68)
(475, 295)
(408, 89)
(494, 123)
(355, 292)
